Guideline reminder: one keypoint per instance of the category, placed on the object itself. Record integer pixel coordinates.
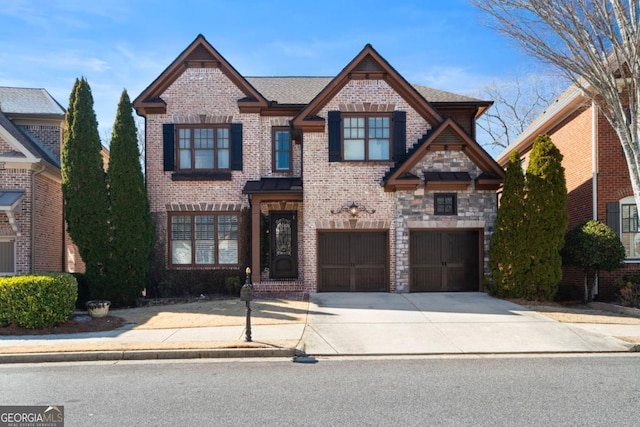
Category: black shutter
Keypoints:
(168, 135)
(236, 146)
(399, 135)
(335, 140)
(613, 216)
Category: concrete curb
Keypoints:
(93, 356)
(635, 312)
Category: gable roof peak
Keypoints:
(368, 64)
(200, 53)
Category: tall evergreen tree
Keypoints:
(546, 220)
(509, 241)
(84, 187)
(131, 224)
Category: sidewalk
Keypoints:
(335, 324)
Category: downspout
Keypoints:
(33, 223)
(594, 172)
(594, 160)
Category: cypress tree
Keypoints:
(508, 241)
(84, 187)
(546, 220)
(130, 219)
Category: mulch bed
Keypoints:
(107, 323)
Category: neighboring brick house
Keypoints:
(358, 182)
(31, 222)
(598, 183)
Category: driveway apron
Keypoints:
(437, 323)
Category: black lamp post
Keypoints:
(246, 294)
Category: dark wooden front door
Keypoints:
(442, 261)
(353, 262)
(283, 232)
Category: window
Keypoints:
(281, 150)
(366, 138)
(203, 148)
(445, 204)
(630, 235)
(203, 239)
(7, 257)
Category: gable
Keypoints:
(199, 54)
(447, 137)
(367, 65)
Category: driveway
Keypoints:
(437, 323)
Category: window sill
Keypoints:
(201, 176)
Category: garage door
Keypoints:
(442, 261)
(353, 262)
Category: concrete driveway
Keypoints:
(437, 323)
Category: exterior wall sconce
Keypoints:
(353, 209)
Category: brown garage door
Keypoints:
(353, 262)
(442, 261)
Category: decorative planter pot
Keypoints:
(98, 308)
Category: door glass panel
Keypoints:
(283, 237)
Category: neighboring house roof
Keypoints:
(567, 103)
(32, 103)
(28, 101)
(27, 140)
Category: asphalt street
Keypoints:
(448, 391)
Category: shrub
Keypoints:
(592, 246)
(629, 290)
(37, 301)
(233, 285)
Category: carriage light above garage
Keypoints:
(354, 208)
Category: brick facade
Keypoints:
(36, 224)
(214, 94)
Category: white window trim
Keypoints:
(12, 239)
(627, 201)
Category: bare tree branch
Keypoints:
(595, 44)
(517, 102)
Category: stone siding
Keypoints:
(415, 209)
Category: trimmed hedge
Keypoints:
(37, 301)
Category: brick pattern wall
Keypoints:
(18, 179)
(206, 95)
(329, 186)
(48, 229)
(415, 209)
(50, 135)
(5, 146)
(573, 137)
(614, 184)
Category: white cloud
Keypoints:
(459, 80)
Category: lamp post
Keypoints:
(246, 295)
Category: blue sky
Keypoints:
(120, 44)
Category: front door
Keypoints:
(283, 232)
